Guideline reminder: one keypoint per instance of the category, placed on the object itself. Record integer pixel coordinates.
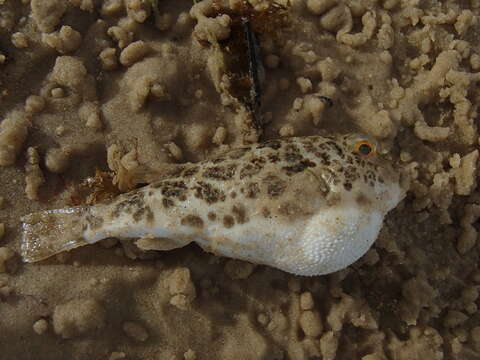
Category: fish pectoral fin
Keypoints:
(162, 244)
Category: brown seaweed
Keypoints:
(243, 49)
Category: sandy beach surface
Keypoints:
(95, 96)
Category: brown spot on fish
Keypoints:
(292, 153)
(293, 157)
(299, 167)
(252, 189)
(220, 172)
(371, 175)
(190, 171)
(333, 145)
(347, 185)
(167, 203)
(308, 146)
(351, 173)
(239, 213)
(265, 212)
(228, 221)
(250, 170)
(131, 202)
(207, 192)
(362, 199)
(333, 198)
(173, 188)
(292, 148)
(291, 209)
(273, 158)
(193, 221)
(212, 216)
(275, 185)
(324, 158)
(233, 194)
(138, 215)
(150, 214)
(94, 222)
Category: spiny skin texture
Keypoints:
(308, 206)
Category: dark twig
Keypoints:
(253, 49)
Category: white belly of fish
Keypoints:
(327, 242)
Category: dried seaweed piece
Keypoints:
(245, 71)
(254, 66)
(103, 187)
(94, 189)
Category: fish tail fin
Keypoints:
(49, 232)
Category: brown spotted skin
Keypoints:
(282, 178)
(307, 205)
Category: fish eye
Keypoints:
(365, 148)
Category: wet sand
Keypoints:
(122, 87)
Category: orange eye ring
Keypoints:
(365, 148)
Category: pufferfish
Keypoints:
(306, 205)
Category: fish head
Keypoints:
(363, 186)
(373, 180)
